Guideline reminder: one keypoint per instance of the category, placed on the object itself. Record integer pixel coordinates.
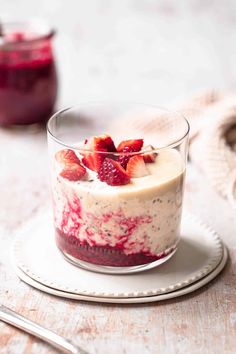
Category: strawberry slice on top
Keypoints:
(149, 157)
(136, 167)
(133, 145)
(113, 173)
(103, 143)
(71, 166)
(100, 143)
(128, 146)
(66, 156)
(73, 172)
(107, 142)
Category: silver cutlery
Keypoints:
(62, 344)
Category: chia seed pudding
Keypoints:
(120, 225)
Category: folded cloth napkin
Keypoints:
(212, 118)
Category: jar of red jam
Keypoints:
(28, 79)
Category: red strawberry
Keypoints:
(103, 143)
(149, 156)
(133, 144)
(66, 156)
(100, 143)
(136, 167)
(108, 143)
(73, 171)
(128, 146)
(93, 160)
(113, 173)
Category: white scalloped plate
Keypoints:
(132, 300)
(200, 251)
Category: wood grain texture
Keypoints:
(141, 57)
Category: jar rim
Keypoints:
(40, 29)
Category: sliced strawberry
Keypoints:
(103, 143)
(66, 156)
(100, 143)
(93, 160)
(73, 172)
(128, 146)
(113, 173)
(136, 167)
(133, 145)
(149, 157)
(108, 143)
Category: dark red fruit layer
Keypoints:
(101, 255)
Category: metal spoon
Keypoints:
(64, 345)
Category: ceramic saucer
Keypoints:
(35, 254)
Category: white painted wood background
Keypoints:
(142, 50)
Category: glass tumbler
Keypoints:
(117, 209)
(28, 79)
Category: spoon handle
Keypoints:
(48, 336)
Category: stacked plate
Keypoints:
(201, 255)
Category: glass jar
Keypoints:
(111, 219)
(28, 79)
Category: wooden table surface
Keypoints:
(153, 51)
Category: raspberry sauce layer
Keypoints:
(103, 255)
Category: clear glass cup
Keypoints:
(27, 72)
(125, 228)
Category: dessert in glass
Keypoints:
(28, 79)
(117, 189)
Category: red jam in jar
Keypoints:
(28, 79)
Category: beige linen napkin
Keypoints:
(212, 118)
